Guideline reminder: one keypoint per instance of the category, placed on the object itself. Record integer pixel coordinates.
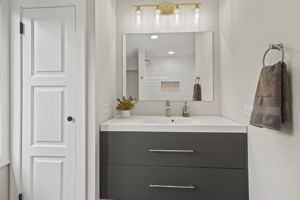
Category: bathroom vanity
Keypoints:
(176, 158)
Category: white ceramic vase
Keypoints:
(125, 113)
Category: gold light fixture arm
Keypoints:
(167, 9)
(175, 4)
(188, 4)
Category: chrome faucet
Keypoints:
(168, 109)
(185, 110)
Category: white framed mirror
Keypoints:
(168, 66)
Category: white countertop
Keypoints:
(207, 124)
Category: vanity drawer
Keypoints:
(172, 183)
(219, 150)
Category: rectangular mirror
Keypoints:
(168, 66)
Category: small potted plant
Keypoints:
(125, 105)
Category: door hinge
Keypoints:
(22, 26)
(20, 197)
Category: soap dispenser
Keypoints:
(186, 110)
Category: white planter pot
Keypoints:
(125, 113)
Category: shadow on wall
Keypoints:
(15, 190)
(4, 183)
(288, 127)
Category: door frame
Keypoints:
(16, 92)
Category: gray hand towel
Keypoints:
(271, 105)
(197, 96)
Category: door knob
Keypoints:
(70, 118)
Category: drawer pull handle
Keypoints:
(172, 186)
(170, 151)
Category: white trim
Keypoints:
(1, 65)
(92, 161)
(4, 82)
(16, 105)
(125, 65)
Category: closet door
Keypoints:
(49, 72)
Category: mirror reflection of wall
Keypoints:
(165, 66)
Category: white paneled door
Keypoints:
(49, 93)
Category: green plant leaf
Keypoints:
(125, 104)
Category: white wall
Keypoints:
(106, 59)
(247, 27)
(209, 22)
(204, 64)
(105, 80)
(4, 183)
(91, 93)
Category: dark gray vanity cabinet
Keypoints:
(173, 166)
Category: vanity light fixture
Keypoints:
(197, 12)
(197, 9)
(154, 37)
(157, 11)
(168, 9)
(177, 14)
(157, 15)
(177, 10)
(171, 52)
(138, 11)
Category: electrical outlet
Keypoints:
(248, 110)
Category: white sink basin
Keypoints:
(166, 120)
(208, 124)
